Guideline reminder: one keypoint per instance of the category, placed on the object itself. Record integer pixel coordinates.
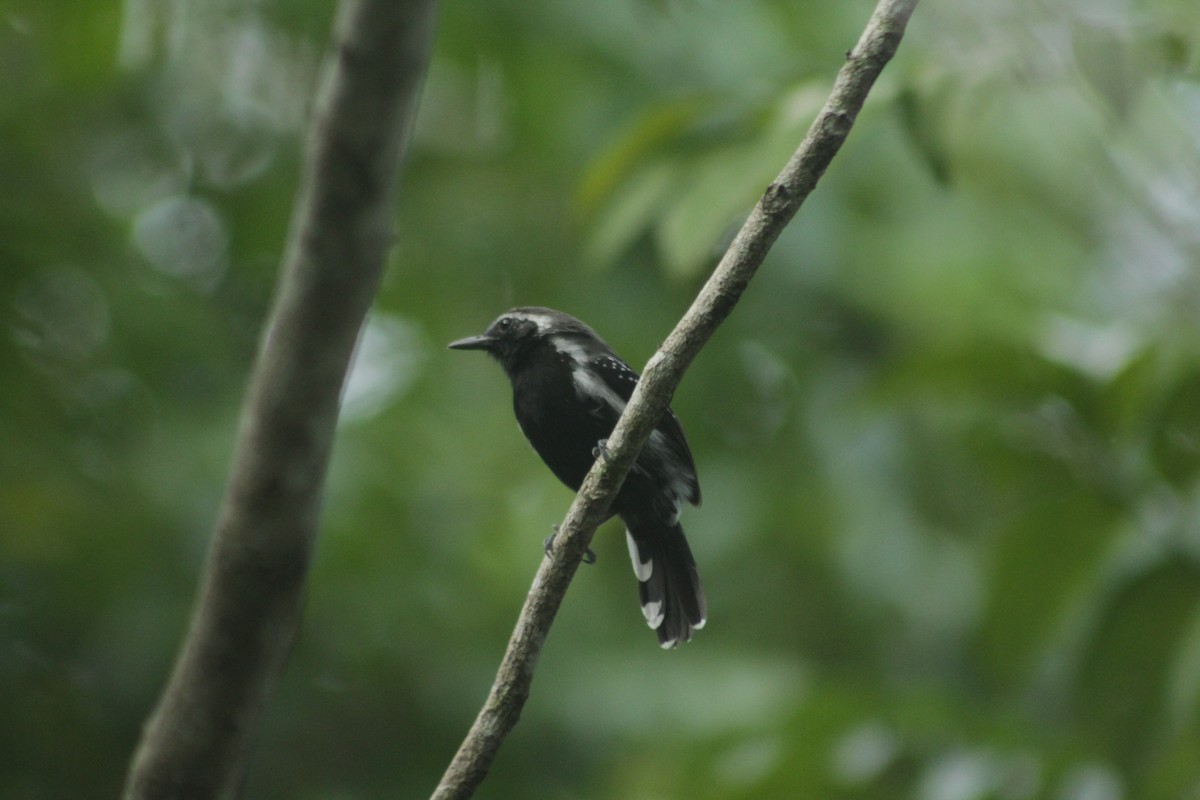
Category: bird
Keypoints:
(569, 389)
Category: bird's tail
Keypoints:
(669, 586)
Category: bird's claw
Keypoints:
(601, 450)
(589, 557)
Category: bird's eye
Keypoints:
(505, 323)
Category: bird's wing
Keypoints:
(620, 378)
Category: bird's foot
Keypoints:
(589, 557)
(601, 450)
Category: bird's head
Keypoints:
(518, 331)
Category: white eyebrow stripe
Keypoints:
(540, 320)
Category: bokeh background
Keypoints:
(948, 442)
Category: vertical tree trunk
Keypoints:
(197, 741)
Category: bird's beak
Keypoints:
(473, 343)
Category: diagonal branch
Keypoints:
(196, 743)
(653, 394)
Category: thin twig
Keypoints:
(197, 741)
(653, 394)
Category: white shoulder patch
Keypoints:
(570, 348)
(589, 386)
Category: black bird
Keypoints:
(569, 389)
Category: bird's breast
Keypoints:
(556, 423)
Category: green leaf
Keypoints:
(1105, 59)
(631, 213)
(1125, 674)
(715, 194)
(648, 140)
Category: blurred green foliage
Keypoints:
(948, 442)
